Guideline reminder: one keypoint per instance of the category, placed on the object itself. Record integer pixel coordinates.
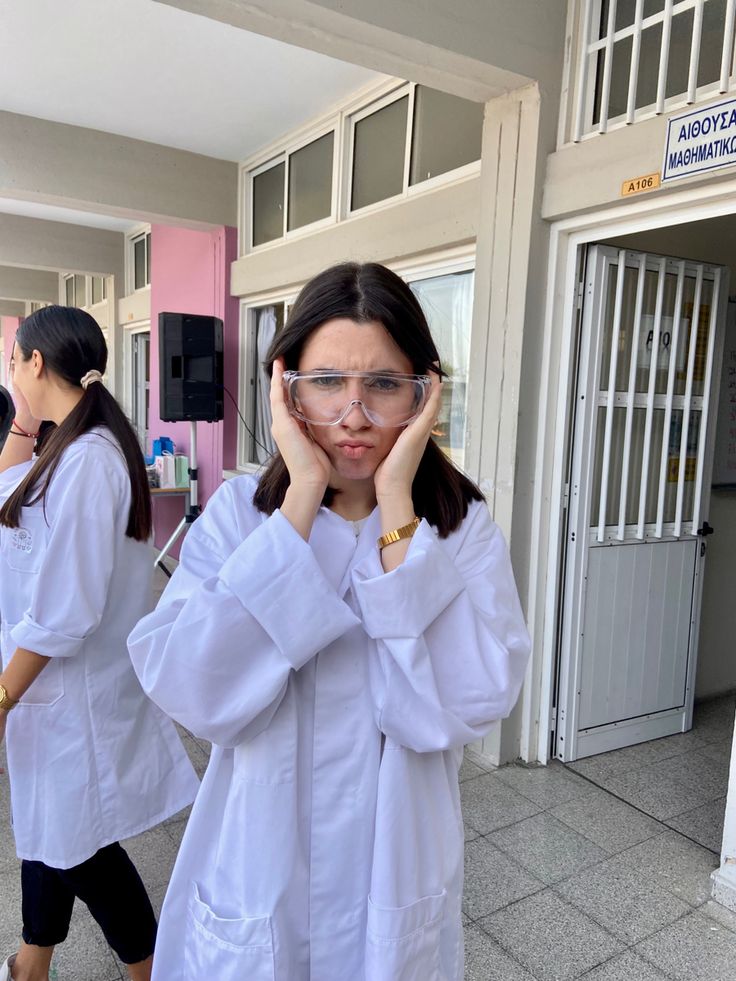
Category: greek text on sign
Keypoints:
(700, 140)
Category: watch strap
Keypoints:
(406, 531)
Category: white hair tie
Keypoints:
(91, 376)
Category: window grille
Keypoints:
(640, 58)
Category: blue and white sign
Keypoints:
(700, 140)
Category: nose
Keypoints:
(355, 417)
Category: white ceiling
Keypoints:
(150, 71)
(48, 212)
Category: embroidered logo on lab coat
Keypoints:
(22, 540)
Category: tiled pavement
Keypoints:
(599, 871)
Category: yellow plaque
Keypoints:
(638, 184)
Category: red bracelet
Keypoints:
(22, 432)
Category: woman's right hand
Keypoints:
(308, 464)
(23, 415)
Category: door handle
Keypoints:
(705, 530)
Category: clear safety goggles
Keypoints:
(324, 398)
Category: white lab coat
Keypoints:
(326, 843)
(91, 760)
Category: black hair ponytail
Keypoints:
(72, 344)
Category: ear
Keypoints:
(37, 363)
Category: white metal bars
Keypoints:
(613, 367)
(595, 63)
(671, 376)
(685, 430)
(630, 396)
(708, 374)
(651, 390)
(645, 321)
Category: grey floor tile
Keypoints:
(611, 823)
(626, 903)
(10, 919)
(153, 854)
(625, 967)
(695, 947)
(547, 848)
(486, 961)
(705, 774)
(545, 785)
(721, 748)
(721, 914)
(677, 864)
(600, 768)
(703, 824)
(469, 770)
(493, 880)
(553, 940)
(654, 792)
(470, 834)
(488, 803)
(480, 760)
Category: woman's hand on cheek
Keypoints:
(307, 463)
(395, 474)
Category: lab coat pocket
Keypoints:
(226, 949)
(48, 687)
(24, 547)
(404, 944)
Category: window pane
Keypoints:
(69, 287)
(80, 291)
(268, 205)
(310, 182)
(139, 262)
(447, 133)
(148, 258)
(97, 290)
(379, 143)
(447, 302)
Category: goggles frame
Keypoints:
(289, 377)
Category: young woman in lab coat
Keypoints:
(90, 759)
(339, 627)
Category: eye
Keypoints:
(326, 381)
(382, 383)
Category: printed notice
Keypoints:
(700, 140)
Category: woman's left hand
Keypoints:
(395, 474)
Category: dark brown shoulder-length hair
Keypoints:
(72, 344)
(366, 293)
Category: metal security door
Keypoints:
(651, 333)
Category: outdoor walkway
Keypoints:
(594, 874)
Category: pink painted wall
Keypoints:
(190, 273)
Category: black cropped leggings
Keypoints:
(110, 886)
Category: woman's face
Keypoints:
(355, 446)
(25, 376)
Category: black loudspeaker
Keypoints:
(190, 366)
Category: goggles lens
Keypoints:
(324, 398)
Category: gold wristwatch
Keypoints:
(6, 702)
(406, 531)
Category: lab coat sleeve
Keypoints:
(452, 644)
(87, 496)
(217, 652)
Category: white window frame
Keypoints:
(248, 176)
(247, 370)
(129, 330)
(579, 109)
(90, 280)
(130, 239)
(342, 119)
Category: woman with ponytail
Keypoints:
(91, 760)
